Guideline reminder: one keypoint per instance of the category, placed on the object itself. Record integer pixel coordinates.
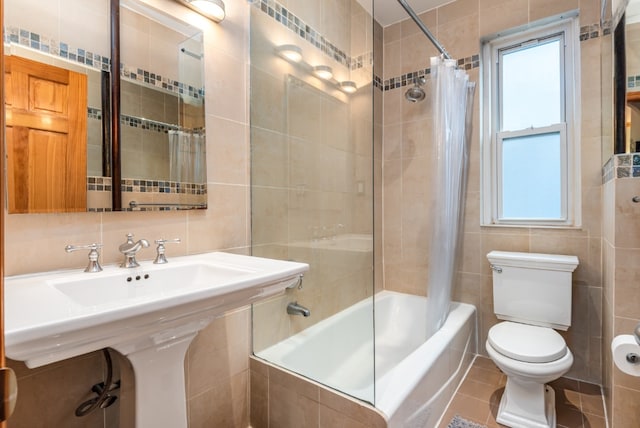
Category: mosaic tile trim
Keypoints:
(159, 186)
(296, 25)
(137, 122)
(99, 184)
(361, 61)
(625, 165)
(103, 184)
(54, 47)
(594, 31)
(633, 82)
(94, 113)
(168, 207)
(99, 62)
(407, 79)
(153, 79)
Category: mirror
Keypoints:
(162, 111)
(632, 66)
(162, 120)
(46, 47)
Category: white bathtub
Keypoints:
(415, 377)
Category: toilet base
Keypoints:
(527, 405)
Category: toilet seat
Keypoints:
(527, 343)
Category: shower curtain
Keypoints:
(452, 105)
(186, 156)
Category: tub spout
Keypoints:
(294, 308)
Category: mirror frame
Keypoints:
(116, 164)
(619, 86)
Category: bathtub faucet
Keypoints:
(294, 308)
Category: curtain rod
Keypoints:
(424, 28)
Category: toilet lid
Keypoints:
(528, 343)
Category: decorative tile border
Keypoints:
(139, 122)
(103, 184)
(99, 62)
(594, 31)
(64, 50)
(288, 19)
(156, 80)
(296, 25)
(94, 113)
(160, 186)
(625, 165)
(407, 79)
(99, 184)
(633, 82)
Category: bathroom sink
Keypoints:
(119, 286)
(57, 315)
(150, 314)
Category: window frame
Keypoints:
(565, 27)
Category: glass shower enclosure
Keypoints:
(312, 172)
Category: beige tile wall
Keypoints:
(621, 310)
(310, 153)
(407, 158)
(217, 362)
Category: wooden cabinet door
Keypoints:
(46, 132)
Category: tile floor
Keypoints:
(578, 404)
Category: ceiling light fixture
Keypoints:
(290, 52)
(324, 72)
(348, 86)
(293, 54)
(212, 9)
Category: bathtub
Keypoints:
(415, 377)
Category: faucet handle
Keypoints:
(94, 264)
(160, 257)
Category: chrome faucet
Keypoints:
(160, 256)
(129, 249)
(294, 308)
(94, 264)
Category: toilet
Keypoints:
(532, 294)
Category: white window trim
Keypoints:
(489, 137)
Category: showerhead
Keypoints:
(416, 93)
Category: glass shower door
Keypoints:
(312, 200)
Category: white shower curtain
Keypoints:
(186, 156)
(452, 105)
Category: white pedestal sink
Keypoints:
(150, 314)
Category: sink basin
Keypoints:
(122, 287)
(150, 314)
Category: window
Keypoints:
(530, 159)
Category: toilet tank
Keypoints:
(533, 288)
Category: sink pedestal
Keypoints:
(160, 396)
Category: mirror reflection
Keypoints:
(54, 67)
(632, 51)
(162, 105)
